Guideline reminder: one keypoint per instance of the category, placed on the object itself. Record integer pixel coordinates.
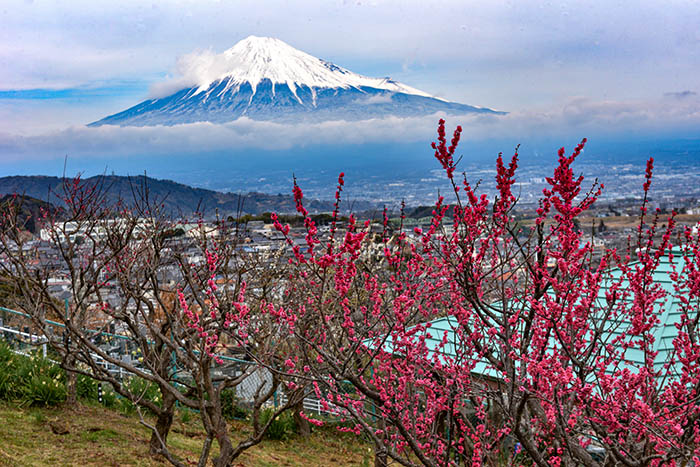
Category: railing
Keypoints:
(34, 340)
(245, 391)
(107, 334)
(312, 404)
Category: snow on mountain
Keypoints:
(264, 78)
(257, 58)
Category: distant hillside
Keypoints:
(178, 199)
(30, 210)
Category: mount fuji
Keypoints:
(263, 78)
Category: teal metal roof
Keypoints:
(669, 311)
(442, 341)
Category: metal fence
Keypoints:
(22, 342)
(14, 330)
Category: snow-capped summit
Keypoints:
(255, 59)
(265, 78)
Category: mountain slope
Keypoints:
(266, 79)
(30, 210)
(177, 198)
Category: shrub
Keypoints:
(229, 406)
(142, 390)
(36, 364)
(34, 380)
(43, 390)
(185, 415)
(110, 399)
(9, 387)
(281, 428)
(125, 406)
(39, 381)
(6, 353)
(87, 388)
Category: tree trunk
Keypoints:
(380, 459)
(71, 383)
(303, 424)
(71, 388)
(163, 423)
(226, 453)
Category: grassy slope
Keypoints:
(103, 437)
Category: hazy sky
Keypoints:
(559, 68)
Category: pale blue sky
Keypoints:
(559, 68)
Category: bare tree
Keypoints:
(186, 304)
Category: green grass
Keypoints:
(99, 436)
(34, 393)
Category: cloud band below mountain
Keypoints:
(577, 118)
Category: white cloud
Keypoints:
(202, 66)
(576, 118)
(203, 137)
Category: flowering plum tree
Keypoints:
(479, 339)
(483, 340)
